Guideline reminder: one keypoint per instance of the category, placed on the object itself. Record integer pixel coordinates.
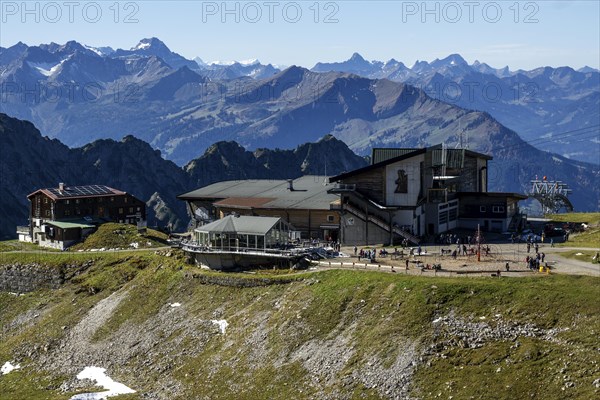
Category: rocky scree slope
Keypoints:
(330, 335)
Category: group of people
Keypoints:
(369, 254)
(535, 262)
(453, 238)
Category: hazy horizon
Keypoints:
(522, 35)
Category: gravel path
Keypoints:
(465, 266)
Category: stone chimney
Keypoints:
(61, 187)
(291, 185)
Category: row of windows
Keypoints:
(495, 209)
(91, 200)
(67, 213)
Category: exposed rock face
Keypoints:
(229, 160)
(23, 278)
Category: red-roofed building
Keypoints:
(61, 216)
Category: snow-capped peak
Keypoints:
(148, 43)
(252, 61)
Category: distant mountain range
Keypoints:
(29, 161)
(556, 109)
(546, 106)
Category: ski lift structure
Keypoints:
(552, 195)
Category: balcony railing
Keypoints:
(343, 187)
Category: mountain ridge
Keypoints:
(29, 161)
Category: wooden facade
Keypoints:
(123, 208)
(61, 216)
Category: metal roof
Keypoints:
(380, 164)
(383, 154)
(309, 193)
(70, 192)
(241, 224)
(68, 225)
(493, 194)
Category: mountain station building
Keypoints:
(305, 203)
(64, 215)
(408, 193)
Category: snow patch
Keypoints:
(142, 46)
(221, 323)
(251, 61)
(95, 50)
(98, 375)
(8, 367)
(222, 63)
(578, 254)
(46, 69)
(175, 305)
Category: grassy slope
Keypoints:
(589, 238)
(113, 235)
(376, 311)
(588, 218)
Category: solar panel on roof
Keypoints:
(75, 191)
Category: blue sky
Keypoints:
(520, 34)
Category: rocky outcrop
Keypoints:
(24, 278)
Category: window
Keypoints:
(112, 199)
(452, 214)
(120, 210)
(443, 217)
(139, 208)
(125, 199)
(67, 213)
(45, 200)
(130, 209)
(330, 218)
(498, 209)
(100, 199)
(47, 213)
(67, 201)
(482, 209)
(76, 201)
